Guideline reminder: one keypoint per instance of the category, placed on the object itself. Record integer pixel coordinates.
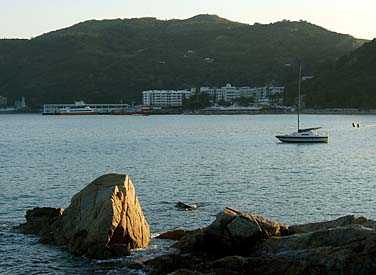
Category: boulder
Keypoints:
(242, 243)
(345, 250)
(342, 221)
(39, 220)
(333, 237)
(173, 235)
(258, 265)
(167, 264)
(244, 225)
(104, 220)
(232, 233)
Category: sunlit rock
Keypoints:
(104, 220)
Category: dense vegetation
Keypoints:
(112, 60)
(349, 83)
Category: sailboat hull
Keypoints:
(301, 139)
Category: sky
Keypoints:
(30, 18)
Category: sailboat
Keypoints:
(307, 135)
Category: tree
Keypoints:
(196, 101)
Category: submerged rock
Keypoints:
(104, 220)
(184, 206)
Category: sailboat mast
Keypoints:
(300, 85)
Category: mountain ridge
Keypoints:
(113, 60)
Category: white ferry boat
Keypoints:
(79, 108)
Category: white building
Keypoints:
(165, 98)
(3, 101)
(228, 93)
(214, 93)
(231, 93)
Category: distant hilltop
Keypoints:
(115, 60)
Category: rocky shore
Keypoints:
(105, 220)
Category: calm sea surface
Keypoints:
(213, 161)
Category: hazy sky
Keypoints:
(30, 18)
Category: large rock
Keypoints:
(343, 246)
(39, 220)
(332, 237)
(104, 220)
(349, 249)
(232, 233)
(342, 221)
(242, 225)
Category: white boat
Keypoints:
(303, 135)
(79, 108)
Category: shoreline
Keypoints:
(336, 111)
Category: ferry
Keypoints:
(79, 108)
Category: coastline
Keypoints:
(334, 111)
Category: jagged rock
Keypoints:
(342, 221)
(192, 241)
(332, 237)
(343, 246)
(232, 233)
(346, 249)
(258, 265)
(173, 235)
(184, 271)
(230, 265)
(169, 263)
(184, 206)
(39, 220)
(245, 225)
(104, 220)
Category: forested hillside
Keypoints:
(349, 83)
(113, 60)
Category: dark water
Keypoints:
(213, 161)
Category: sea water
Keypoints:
(212, 161)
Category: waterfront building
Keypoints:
(230, 93)
(19, 104)
(50, 109)
(165, 98)
(3, 101)
(214, 93)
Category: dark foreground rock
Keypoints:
(232, 233)
(242, 243)
(104, 220)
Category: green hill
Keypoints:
(113, 60)
(350, 83)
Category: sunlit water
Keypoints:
(213, 161)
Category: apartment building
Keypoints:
(165, 98)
